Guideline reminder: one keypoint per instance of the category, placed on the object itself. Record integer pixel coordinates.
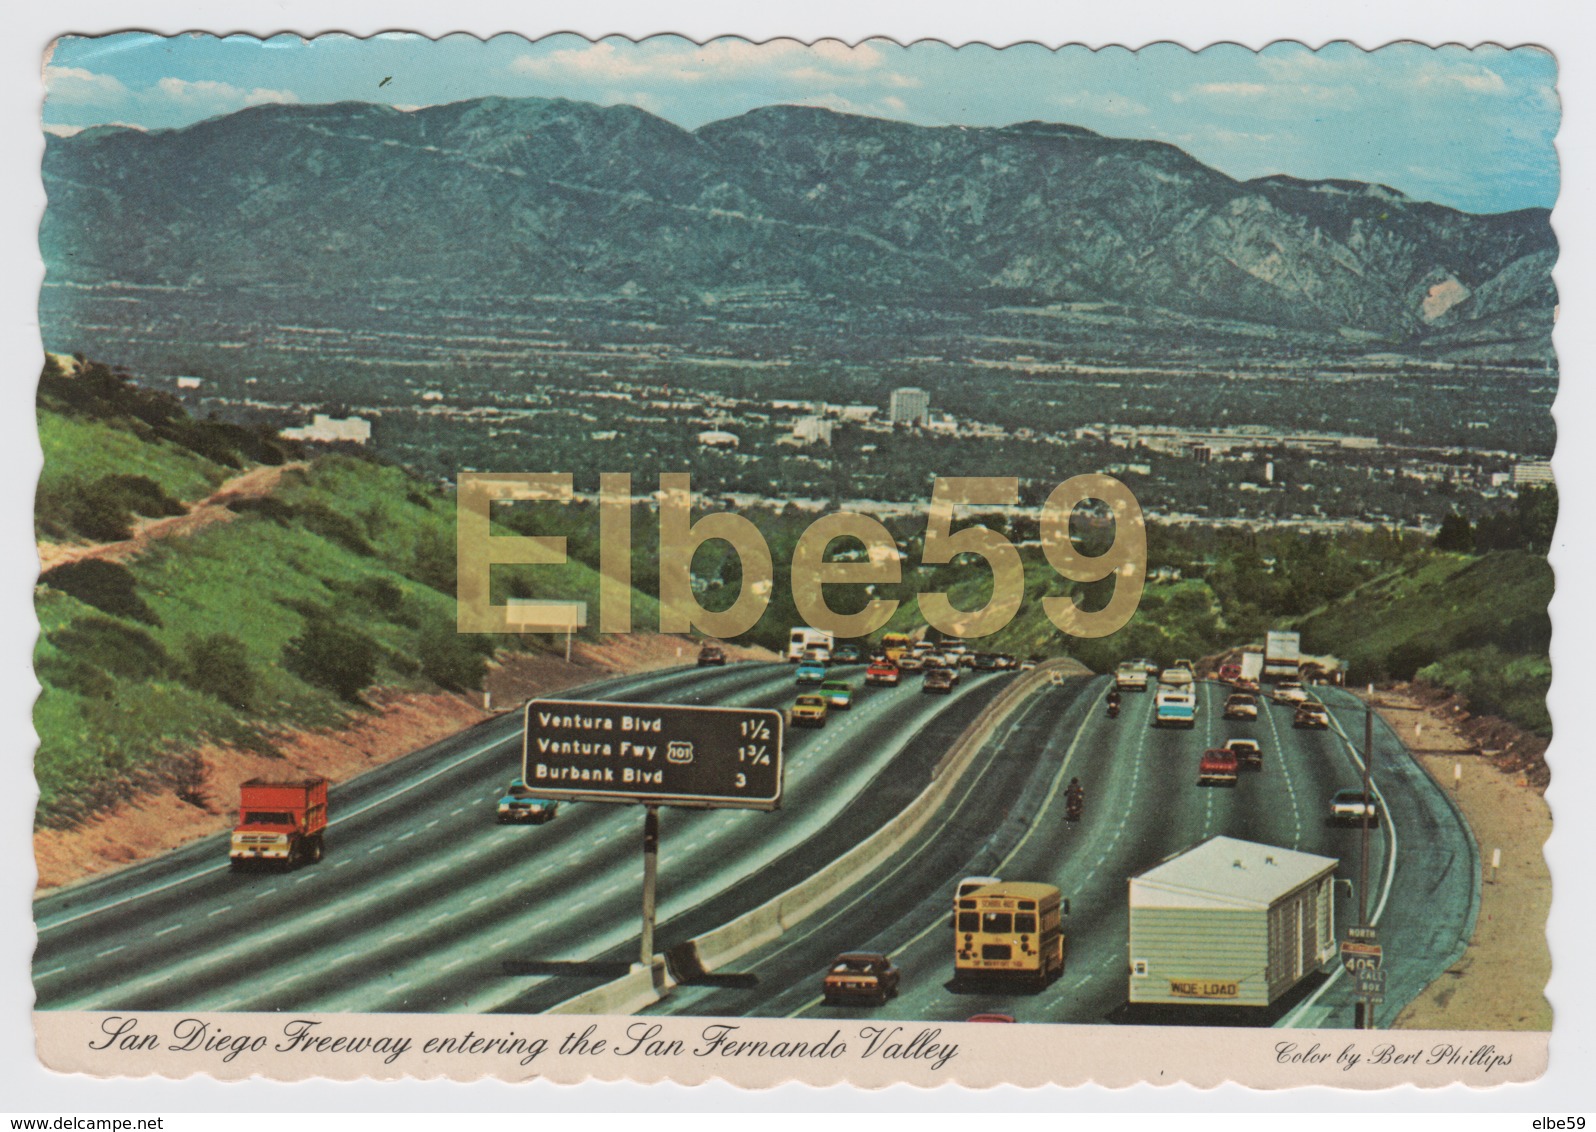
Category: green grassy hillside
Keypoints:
(340, 579)
(1475, 625)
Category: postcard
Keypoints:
(840, 562)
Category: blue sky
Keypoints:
(1474, 129)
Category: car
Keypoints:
(808, 711)
(711, 655)
(816, 655)
(1248, 753)
(1229, 671)
(922, 647)
(848, 654)
(860, 976)
(939, 680)
(986, 662)
(810, 672)
(990, 1016)
(1031, 662)
(837, 694)
(1348, 806)
(1218, 767)
(1131, 676)
(911, 662)
(1241, 705)
(1175, 677)
(1007, 662)
(883, 673)
(1290, 693)
(520, 804)
(1311, 716)
(1187, 665)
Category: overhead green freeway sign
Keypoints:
(654, 754)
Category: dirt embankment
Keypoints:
(1496, 774)
(253, 484)
(401, 722)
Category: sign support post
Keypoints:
(1365, 1005)
(650, 880)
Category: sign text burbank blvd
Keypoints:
(680, 536)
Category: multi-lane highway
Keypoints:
(423, 903)
(1142, 805)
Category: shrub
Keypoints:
(333, 656)
(218, 665)
(123, 650)
(453, 661)
(107, 586)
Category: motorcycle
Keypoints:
(1072, 806)
(1113, 711)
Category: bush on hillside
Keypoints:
(123, 650)
(218, 665)
(107, 586)
(333, 656)
(454, 661)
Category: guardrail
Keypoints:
(713, 950)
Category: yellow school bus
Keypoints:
(895, 645)
(1009, 931)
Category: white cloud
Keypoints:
(78, 87)
(1238, 90)
(1474, 79)
(169, 101)
(826, 63)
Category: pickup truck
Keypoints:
(1247, 751)
(1131, 676)
(1217, 768)
(1175, 709)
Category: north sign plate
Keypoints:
(653, 754)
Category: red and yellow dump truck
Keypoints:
(281, 822)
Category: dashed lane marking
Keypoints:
(170, 930)
(112, 951)
(219, 911)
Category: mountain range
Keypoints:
(501, 196)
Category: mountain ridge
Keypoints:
(557, 195)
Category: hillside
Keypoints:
(282, 617)
(1477, 626)
(549, 196)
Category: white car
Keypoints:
(1175, 677)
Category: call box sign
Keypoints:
(653, 754)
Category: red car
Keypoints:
(1219, 767)
(884, 673)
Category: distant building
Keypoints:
(715, 438)
(813, 430)
(909, 406)
(1532, 473)
(323, 429)
(189, 383)
(942, 422)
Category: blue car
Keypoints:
(520, 805)
(811, 673)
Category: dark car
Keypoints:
(848, 654)
(938, 680)
(986, 662)
(711, 654)
(860, 976)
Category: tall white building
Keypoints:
(910, 406)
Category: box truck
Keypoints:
(280, 822)
(1282, 656)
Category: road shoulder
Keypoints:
(1500, 981)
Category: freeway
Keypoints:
(424, 904)
(1142, 806)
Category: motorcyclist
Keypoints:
(1074, 795)
(1113, 702)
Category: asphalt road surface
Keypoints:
(425, 904)
(1142, 806)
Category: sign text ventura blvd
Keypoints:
(654, 754)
